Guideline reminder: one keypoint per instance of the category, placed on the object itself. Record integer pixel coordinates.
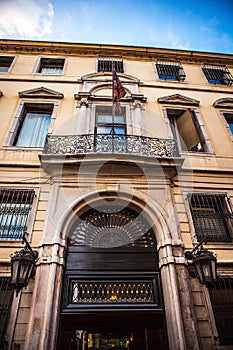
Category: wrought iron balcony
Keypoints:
(116, 144)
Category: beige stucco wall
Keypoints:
(200, 172)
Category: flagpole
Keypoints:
(113, 106)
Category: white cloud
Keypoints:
(175, 41)
(27, 19)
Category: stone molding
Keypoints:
(145, 53)
(41, 92)
(178, 99)
(224, 103)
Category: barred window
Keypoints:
(6, 295)
(15, 207)
(217, 75)
(110, 63)
(221, 295)
(51, 65)
(5, 63)
(172, 71)
(212, 216)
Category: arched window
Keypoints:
(112, 227)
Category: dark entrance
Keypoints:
(112, 295)
(125, 331)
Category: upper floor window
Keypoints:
(51, 65)
(186, 129)
(168, 70)
(109, 64)
(228, 116)
(221, 296)
(33, 125)
(5, 63)
(110, 122)
(110, 129)
(15, 207)
(212, 216)
(218, 75)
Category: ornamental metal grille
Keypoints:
(15, 206)
(6, 295)
(217, 74)
(221, 294)
(112, 227)
(110, 63)
(212, 216)
(102, 143)
(170, 71)
(112, 292)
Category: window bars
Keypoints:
(212, 217)
(107, 64)
(216, 74)
(15, 206)
(221, 295)
(6, 295)
(169, 70)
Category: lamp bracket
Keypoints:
(189, 254)
(28, 247)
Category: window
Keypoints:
(212, 216)
(110, 129)
(110, 63)
(51, 65)
(5, 63)
(228, 117)
(15, 207)
(186, 129)
(110, 122)
(217, 75)
(6, 296)
(33, 125)
(171, 71)
(221, 296)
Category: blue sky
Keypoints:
(199, 25)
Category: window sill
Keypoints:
(172, 81)
(197, 154)
(48, 74)
(15, 148)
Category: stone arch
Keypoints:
(152, 212)
(226, 102)
(106, 74)
(95, 89)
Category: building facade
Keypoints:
(111, 196)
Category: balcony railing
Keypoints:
(102, 143)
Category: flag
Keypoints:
(118, 89)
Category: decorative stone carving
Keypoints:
(224, 103)
(178, 99)
(41, 92)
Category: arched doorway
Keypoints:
(112, 296)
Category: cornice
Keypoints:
(137, 52)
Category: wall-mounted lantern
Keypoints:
(204, 264)
(23, 264)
